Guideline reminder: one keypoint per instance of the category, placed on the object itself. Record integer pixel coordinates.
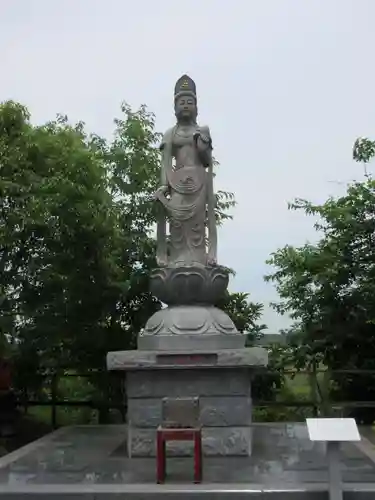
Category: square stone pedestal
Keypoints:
(221, 380)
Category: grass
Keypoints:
(297, 387)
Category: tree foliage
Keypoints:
(244, 314)
(328, 288)
(76, 239)
(69, 260)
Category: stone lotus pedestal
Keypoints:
(190, 349)
(190, 321)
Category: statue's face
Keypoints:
(185, 108)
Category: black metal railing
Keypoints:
(316, 394)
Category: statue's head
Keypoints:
(185, 99)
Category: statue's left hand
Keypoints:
(201, 139)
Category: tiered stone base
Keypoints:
(221, 380)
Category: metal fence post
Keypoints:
(54, 386)
(326, 407)
(313, 382)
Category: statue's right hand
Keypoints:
(161, 262)
(161, 191)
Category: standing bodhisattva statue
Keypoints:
(186, 187)
(188, 278)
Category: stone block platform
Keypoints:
(91, 462)
(220, 379)
(225, 409)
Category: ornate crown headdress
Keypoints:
(185, 86)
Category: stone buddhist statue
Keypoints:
(186, 190)
(188, 278)
(191, 367)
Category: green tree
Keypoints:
(58, 233)
(329, 288)
(244, 314)
(76, 237)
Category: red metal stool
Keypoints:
(180, 422)
(163, 435)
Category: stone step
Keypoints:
(172, 492)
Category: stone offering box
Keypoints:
(220, 380)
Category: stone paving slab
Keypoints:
(91, 462)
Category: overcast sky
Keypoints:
(285, 85)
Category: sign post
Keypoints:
(333, 431)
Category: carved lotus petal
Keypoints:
(187, 285)
(190, 320)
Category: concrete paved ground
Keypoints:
(92, 460)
